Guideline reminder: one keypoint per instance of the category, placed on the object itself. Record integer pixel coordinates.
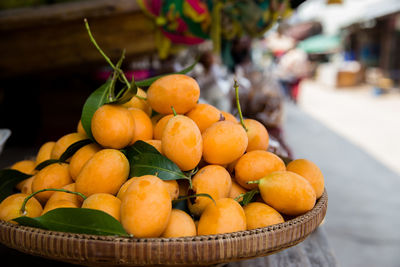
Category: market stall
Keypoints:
(154, 174)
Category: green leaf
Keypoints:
(155, 164)
(46, 163)
(76, 220)
(148, 82)
(8, 180)
(247, 197)
(127, 94)
(97, 99)
(139, 147)
(73, 148)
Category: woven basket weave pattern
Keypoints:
(198, 250)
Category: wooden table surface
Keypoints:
(313, 252)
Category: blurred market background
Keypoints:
(324, 78)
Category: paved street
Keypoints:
(363, 219)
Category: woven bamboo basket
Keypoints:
(93, 250)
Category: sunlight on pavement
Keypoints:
(369, 121)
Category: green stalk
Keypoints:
(47, 189)
(173, 111)
(141, 97)
(115, 77)
(236, 86)
(190, 182)
(239, 196)
(105, 56)
(193, 196)
(121, 92)
(254, 182)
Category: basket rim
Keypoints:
(321, 203)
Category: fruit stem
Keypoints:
(47, 189)
(141, 97)
(236, 86)
(173, 110)
(193, 196)
(254, 182)
(105, 56)
(190, 182)
(114, 78)
(239, 196)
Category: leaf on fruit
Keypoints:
(127, 94)
(9, 178)
(149, 81)
(76, 220)
(247, 197)
(157, 165)
(139, 147)
(97, 99)
(73, 148)
(46, 163)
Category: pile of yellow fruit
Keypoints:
(231, 158)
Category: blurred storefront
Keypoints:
(375, 43)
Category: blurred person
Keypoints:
(293, 66)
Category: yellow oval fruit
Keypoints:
(124, 187)
(24, 166)
(181, 142)
(311, 172)
(136, 216)
(80, 129)
(64, 142)
(27, 186)
(156, 144)
(104, 202)
(236, 190)
(73, 198)
(229, 117)
(160, 126)
(224, 142)
(173, 188)
(10, 207)
(58, 204)
(143, 127)
(256, 164)
(55, 175)
(113, 126)
(213, 180)
(287, 192)
(44, 152)
(260, 215)
(136, 102)
(79, 159)
(204, 115)
(105, 172)
(226, 216)
(177, 90)
(257, 134)
(180, 224)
